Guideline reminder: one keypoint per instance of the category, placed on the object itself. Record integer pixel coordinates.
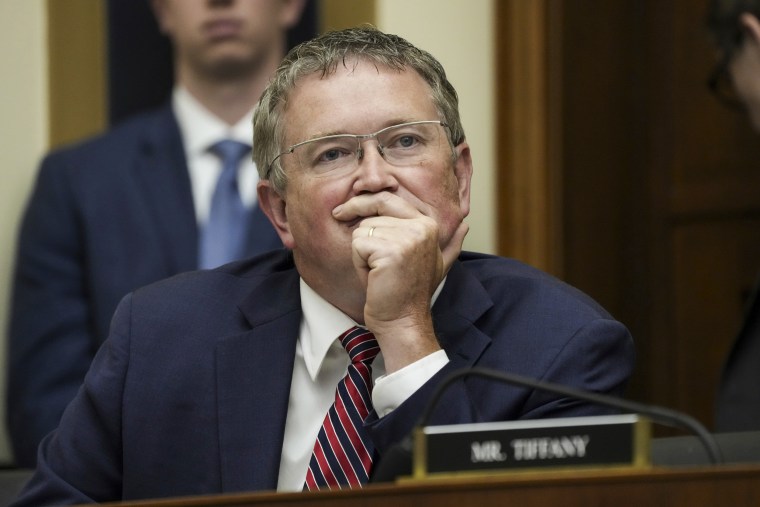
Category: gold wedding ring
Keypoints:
(371, 232)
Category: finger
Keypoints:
(379, 204)
(360, 253)
(367, 229)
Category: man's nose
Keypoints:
(374, 174)
(371, 145)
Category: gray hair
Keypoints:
(322, 55)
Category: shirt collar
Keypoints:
(321, 325)
(200, 128)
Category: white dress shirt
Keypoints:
(320, 363)
(200, 129)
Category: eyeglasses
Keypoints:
(406, 144)
(721, 85)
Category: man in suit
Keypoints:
(135, 205)
(735, 27)
(235, 379)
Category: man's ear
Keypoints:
(463, 173)
(751, 26)
(275, 208)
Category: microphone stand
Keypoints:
(658, 414)
(398, 458)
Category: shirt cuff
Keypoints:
(392, 390)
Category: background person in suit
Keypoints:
(132, 206)
(219, 381)
(735, 27)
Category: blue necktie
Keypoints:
(222, 240)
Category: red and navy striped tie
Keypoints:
(342, 455)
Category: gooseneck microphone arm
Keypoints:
(658, 414)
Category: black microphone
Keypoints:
(397, 461)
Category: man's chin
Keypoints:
(230, 63)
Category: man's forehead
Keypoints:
(357, 96)
(354, 66)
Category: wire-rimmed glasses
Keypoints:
(722, 87)
(405, 144)
(720, 81)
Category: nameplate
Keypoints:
(621, 440)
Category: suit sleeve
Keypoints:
(597, 357)
(51, 342)
(81, 461)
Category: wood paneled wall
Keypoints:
(656, 186)
(529, 151)
(76, 69)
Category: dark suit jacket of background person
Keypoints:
(189, 395)
(738, 400)
(105, 217)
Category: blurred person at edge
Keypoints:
(735, 29)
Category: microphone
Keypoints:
(398, 459)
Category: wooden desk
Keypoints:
(718, 486)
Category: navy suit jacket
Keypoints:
(105, 217)
(189, 394)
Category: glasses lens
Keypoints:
(721, 84)
(723, 90)
(327, 154)
(410, 144)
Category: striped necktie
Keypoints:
(342, 455)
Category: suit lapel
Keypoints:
(254, 372)
(460, 304)
(164, 183)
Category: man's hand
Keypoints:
(397, 254)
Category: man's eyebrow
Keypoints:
(385, 124)
(330, 133)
